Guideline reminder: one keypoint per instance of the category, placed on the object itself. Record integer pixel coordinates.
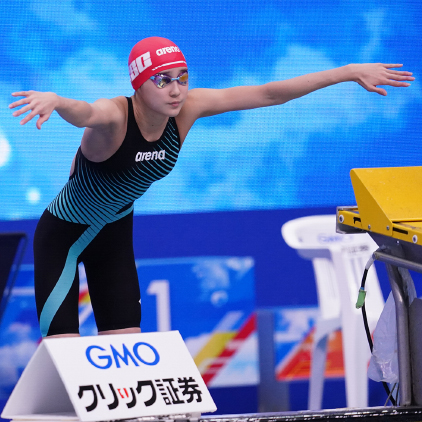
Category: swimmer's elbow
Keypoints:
(275, 93)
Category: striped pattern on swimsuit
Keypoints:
(101, 193)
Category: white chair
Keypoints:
(338, 261)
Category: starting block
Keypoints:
(389, 208)
(147, 377)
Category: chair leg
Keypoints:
(316, 381)
(356, 356)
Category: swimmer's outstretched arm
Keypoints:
(208, 102)
(102, 112)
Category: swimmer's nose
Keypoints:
(174, 89)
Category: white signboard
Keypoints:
(110, 377)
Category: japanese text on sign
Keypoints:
(184, 390)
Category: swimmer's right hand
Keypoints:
(38, 103)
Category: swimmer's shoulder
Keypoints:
(122, 103)
(112, 117)
(117, 110)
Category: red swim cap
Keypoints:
(151, 56)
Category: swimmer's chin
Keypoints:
(175, 109)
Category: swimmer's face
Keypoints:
(169, 99)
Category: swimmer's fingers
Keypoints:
(19, 103)
(36, 103)
(371, 75)
(22, 93)
(21, 110)
(399, 72)
(391, 82)
(396, 75)
(28, 117)
(382, 91)
(376, 89)
(28, 107)
(42, 119)
(27, 100)
(44, 116)
(391, 66)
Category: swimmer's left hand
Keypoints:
(371, 75)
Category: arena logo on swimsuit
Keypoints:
(142, 353)
(147, 156)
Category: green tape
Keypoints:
(361, 298)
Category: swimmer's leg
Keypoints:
(57, 246)
(113, 279)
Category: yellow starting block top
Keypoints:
(389, 202)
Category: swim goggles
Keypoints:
(161, 80)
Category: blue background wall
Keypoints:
(295, 155)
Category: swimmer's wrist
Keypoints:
(339, 75)
(59, 103)
(350, 72)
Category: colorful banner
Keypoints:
(293, 342)
(210, 300)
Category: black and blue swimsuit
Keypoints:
(91, 221)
